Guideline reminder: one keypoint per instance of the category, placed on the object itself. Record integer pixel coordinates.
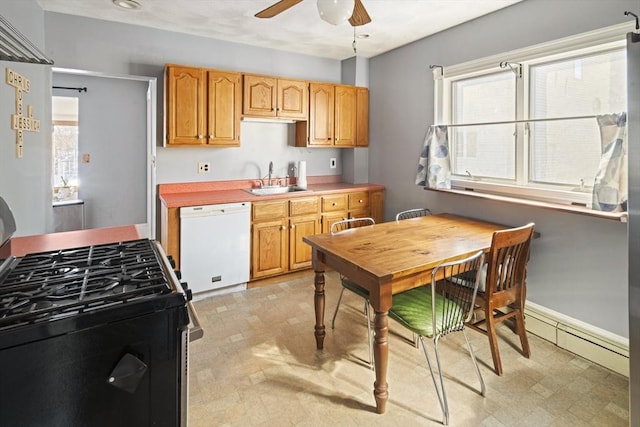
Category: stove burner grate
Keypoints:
(49, 286)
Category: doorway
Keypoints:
(116, 146)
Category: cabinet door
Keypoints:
(185, 105)
(321, 111)
(293, 99)
(376, 205)
(329, 218)
(299, 251)
(224, 102)
(269, 248)
(259, 96)
(345, 116)
(362, 117)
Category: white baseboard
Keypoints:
(585, 340)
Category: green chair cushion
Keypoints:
(355, 288)
(412, 309)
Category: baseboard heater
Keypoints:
(585, 340)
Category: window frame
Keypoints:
(603, 40)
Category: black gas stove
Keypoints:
(81, 282)
(92, 336)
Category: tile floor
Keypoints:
(257, 366)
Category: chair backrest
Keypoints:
(507, 261)
(346, 224)
(412, 213)
(457, 282)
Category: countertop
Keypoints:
(215, 192)
(20, 246)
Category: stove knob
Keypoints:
(172, 261)
(188, 292)
(178, 274)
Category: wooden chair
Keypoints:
(505, 288)
(439, 308)
(412, 213)
(342, 227)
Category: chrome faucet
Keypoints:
(270, 173)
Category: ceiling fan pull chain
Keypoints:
(353, 45)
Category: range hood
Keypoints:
(15, 47)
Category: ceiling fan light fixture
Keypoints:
(335, 12)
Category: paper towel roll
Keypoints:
(302, 174)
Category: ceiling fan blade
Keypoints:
(360, 15)
(277, 8)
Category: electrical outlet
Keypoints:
(204, 167)
(332, 163)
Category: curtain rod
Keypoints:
(79, 89)
(506, 122)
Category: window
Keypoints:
(523, 123)
(65, 148)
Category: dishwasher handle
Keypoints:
(213, 210)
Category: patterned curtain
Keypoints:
(610, 186)
(434, 166)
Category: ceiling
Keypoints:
(299, 29)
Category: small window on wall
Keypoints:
(64, 114)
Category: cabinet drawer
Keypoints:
(303, 206)
(333, 203)
(269, 210)
(359, 200)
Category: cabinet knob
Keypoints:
(328, 139)
(282, 227)
(212, 136)
(337, 139)
(360, 201)
(333, 204)
(293, 226)
(199, 136)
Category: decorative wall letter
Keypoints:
(19, 122)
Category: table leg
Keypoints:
(318, 300)
(381, 356)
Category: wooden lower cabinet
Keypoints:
(300, 252)
(269, 248)
(278, 226)
(277, 231)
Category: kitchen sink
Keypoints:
(267, 191)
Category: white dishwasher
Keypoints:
(215, 246)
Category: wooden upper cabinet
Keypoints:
(185, 105)
(334, 117)
(224, 102)
(293, 99)
(345, 116)
(259, 96)
(321, 114)
(203, 106)
(266, 96)
(362, 117)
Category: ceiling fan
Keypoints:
(330, 11)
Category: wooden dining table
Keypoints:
(388, 258)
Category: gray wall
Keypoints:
(25, 183)
(96, 45)
(579, 265)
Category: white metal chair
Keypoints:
(412, 213)
(342, 227)
(407, 214)
(439, 308)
